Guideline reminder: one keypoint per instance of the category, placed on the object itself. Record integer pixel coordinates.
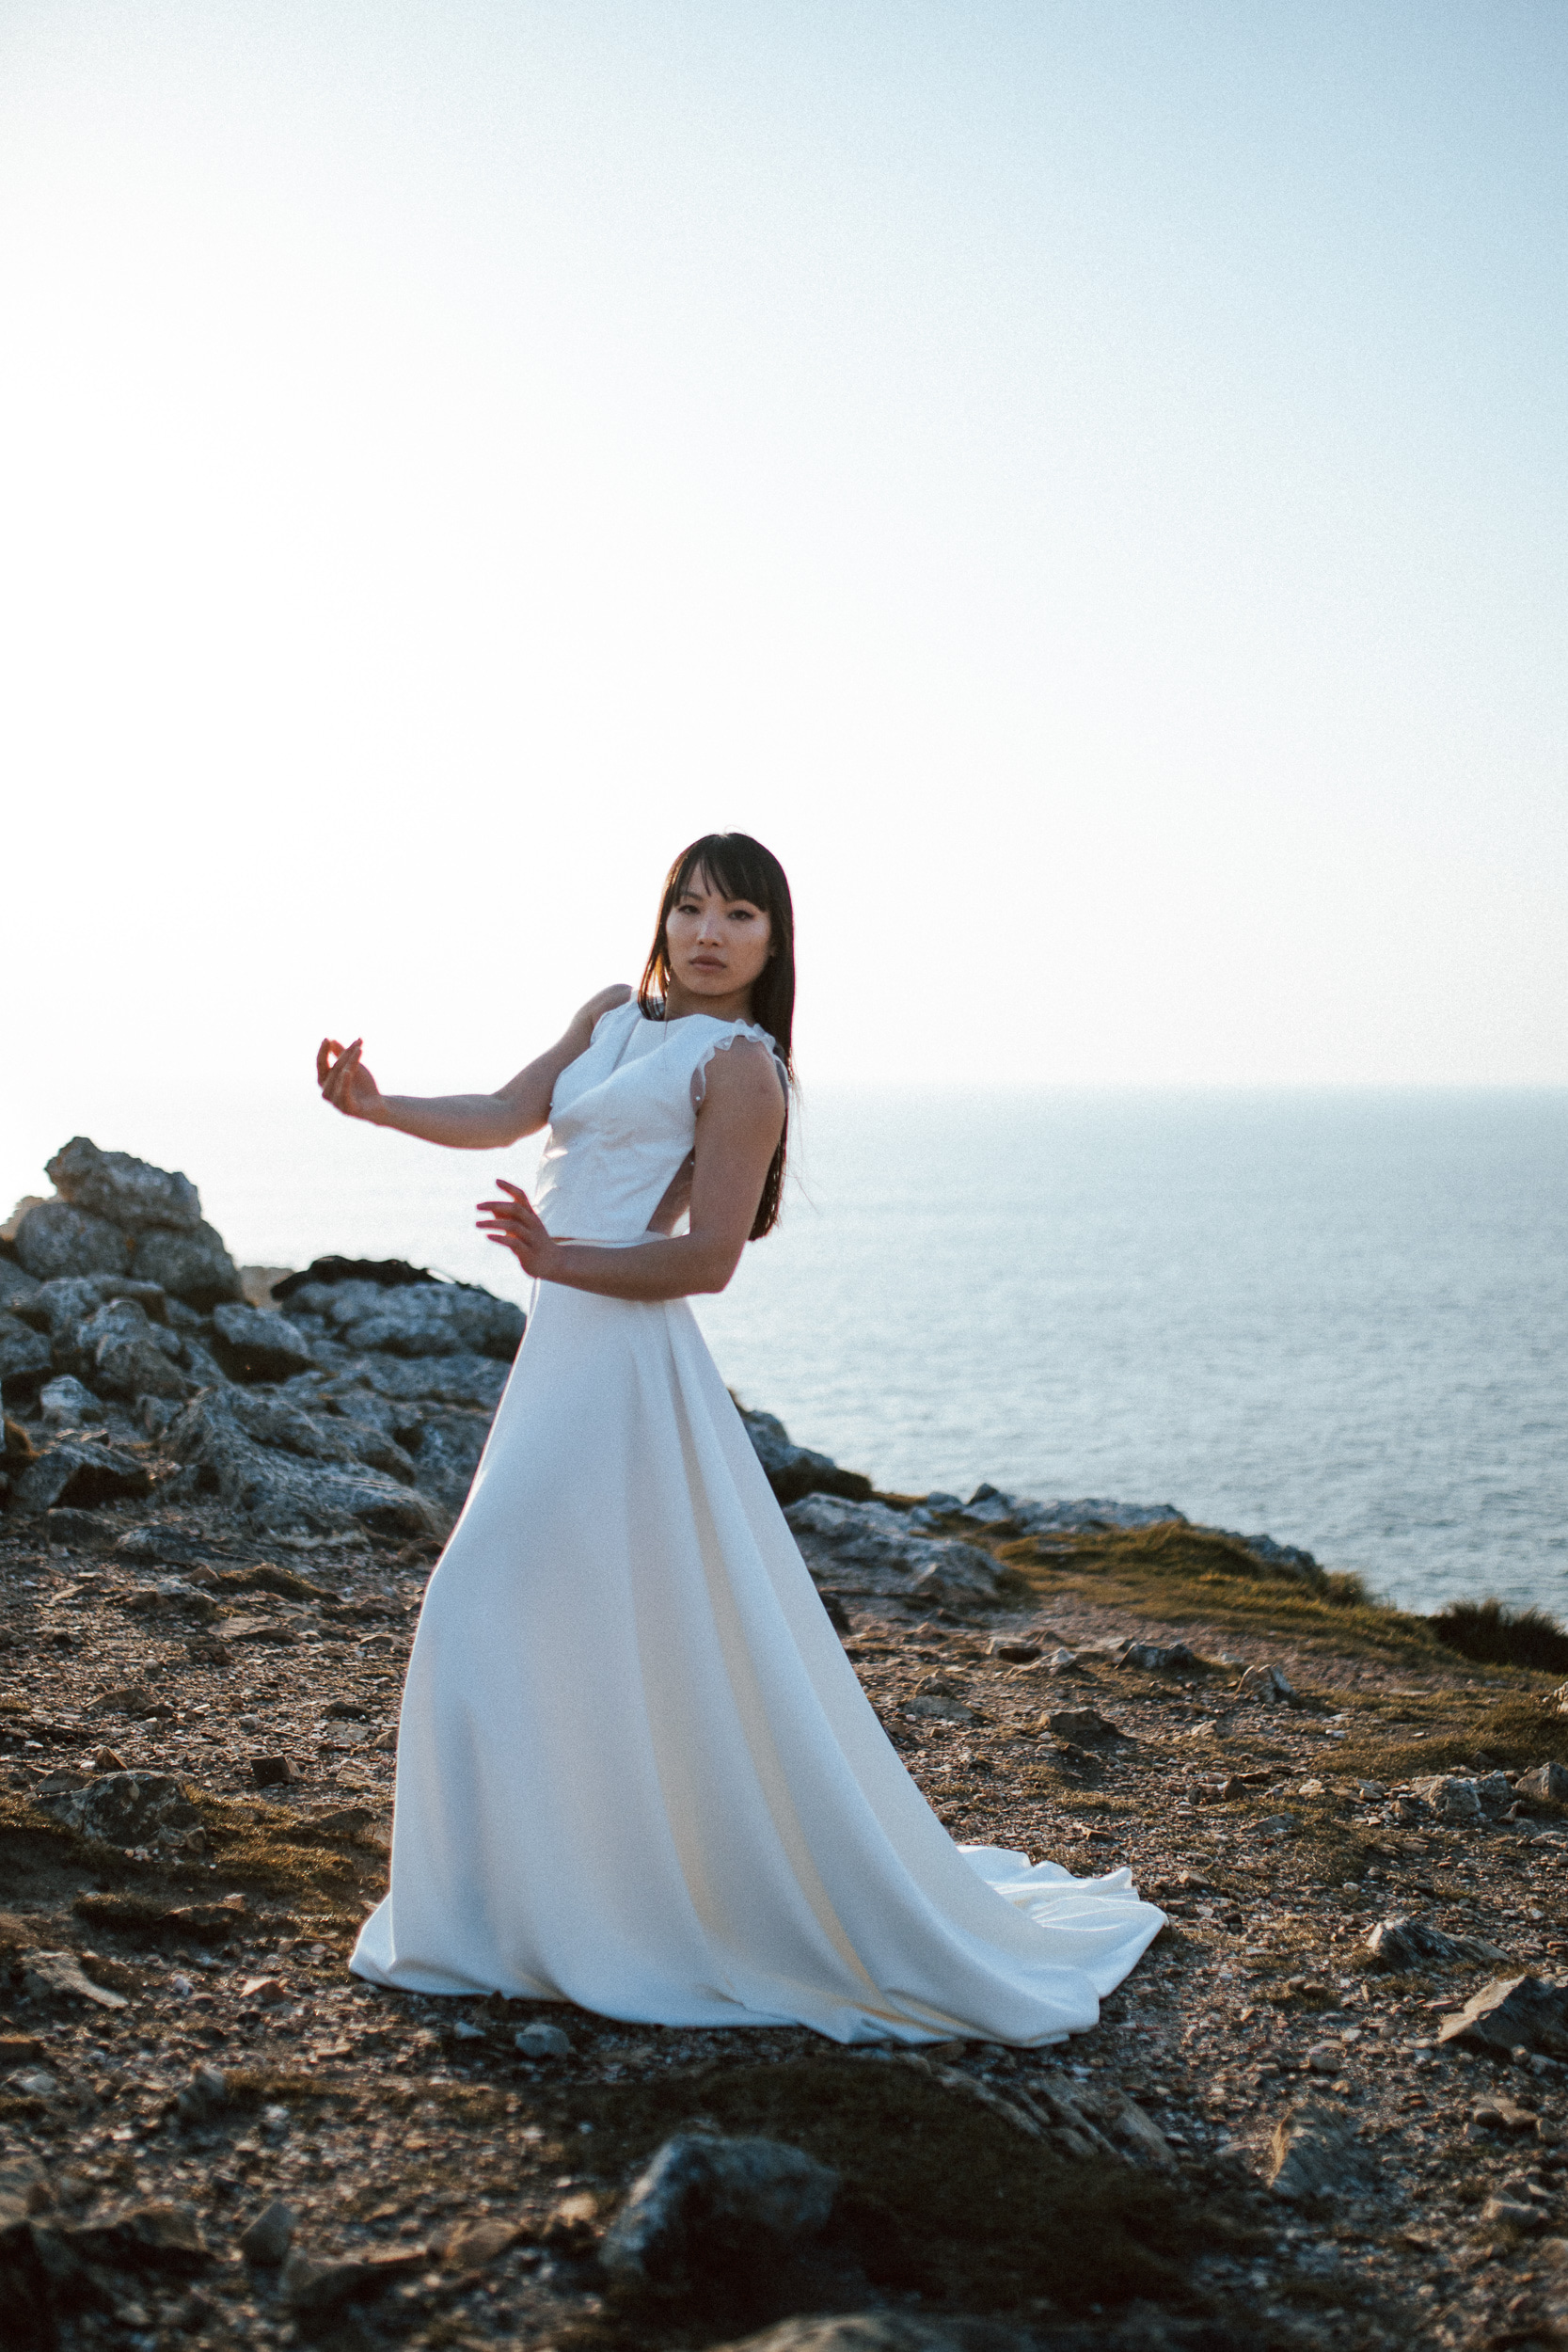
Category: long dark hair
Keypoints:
(738, 867)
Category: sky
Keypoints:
(1085, 483)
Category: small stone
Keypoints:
(1309, 2156)
(694, 2188)
(1546, 1782)
(308, 2285)
(264, 1990)
(107, 1762)
(1083, 1723)
(1325, 2057)
(1511, 2013)
(473, 2244)
(270, 2236)
(59, 1976)
(205, 2096)
(1405, 1944)
(1452, 1795)
(272, 1771)
(1511, 2213)
(1014, 1653)
(540, 2040)
(1265, 1683)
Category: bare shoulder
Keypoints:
(583, 1020)
(743, 1082)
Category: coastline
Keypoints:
(1298, 2122)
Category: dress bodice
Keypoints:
(624, 1120)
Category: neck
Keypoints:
(679, 1001)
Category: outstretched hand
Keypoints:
(345, 1081)
(517, 1225)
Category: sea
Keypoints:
(1338, 1318)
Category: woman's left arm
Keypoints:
(738, 1133)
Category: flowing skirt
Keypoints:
(636, 1770)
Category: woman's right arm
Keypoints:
(463, 1122)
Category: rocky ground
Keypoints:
(1330, 2107)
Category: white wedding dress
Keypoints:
(635, 1767)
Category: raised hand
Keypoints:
(345, 1081)
(517, 1226)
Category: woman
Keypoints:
(635, 1769)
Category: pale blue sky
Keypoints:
(1086, 483)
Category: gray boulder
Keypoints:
(282, 1470)
(702, 2201)
(795, 1470)
(421, 1319)
(1451, 1794)
(15, 1284)
(477, 1381)
(123, 1356)
(1547, 1782)
(191, 1264)
(82, 1474)
(251, 1346)
(127, 1192)
(1511, 2011)
(25, 1356)
(65, 1404)
(869, 1548)
(1012, 1516)
(124, 1808)
(447, 1456)
(56, 1239)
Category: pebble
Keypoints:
(1325, 2057)
(542, 2041)
(270, 2236)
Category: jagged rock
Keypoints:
(1160, 1659)
(1310, 2155)
(204, 2097)
(309, 2285)
(55, 1239)
(1458, 1799)
(82, 1473)
(270, 2236)
(59, 1976)
(893, 2331)
(1082, 1723)
(795, 1470)
(541, 2039)
(165, 1547)
(1411, 1944)
(418, 1320)
(869, 1548)
(447, 1456)
(65, 1404)
(1012, 1516)
(154, 2237)
(389, 1273)
(701, 2196)
(25, 1356)
(119, 1344)
(282, 1470)
(123, 1808)
(127, 1192)
(1265, 1683)
(1549, 1782)
(1510, 2013)
(16, 1285)
(477, 1381)
(251, 1346)
(193, 1265)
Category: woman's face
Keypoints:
(717, 946)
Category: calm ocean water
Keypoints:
(1340, 1318)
